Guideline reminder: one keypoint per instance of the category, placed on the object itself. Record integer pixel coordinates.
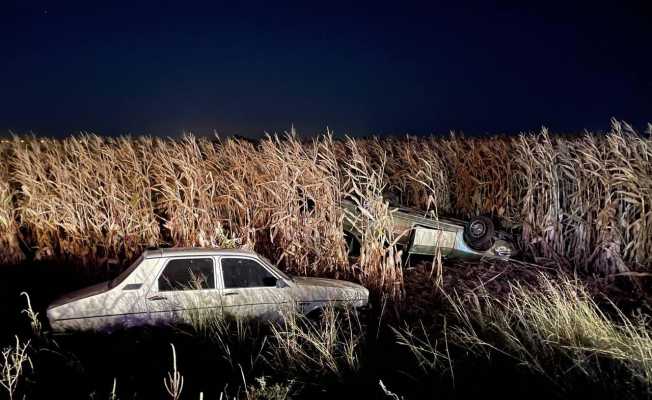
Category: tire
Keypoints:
(352, 244)
(315, 315)
(479, 233)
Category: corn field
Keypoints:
(584, 202)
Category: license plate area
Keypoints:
(426, 241)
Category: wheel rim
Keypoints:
(477, 229)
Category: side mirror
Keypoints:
(270, 281)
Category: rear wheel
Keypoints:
(352, 244)
(479, 233)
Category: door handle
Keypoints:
(231, 294)
(157, 298)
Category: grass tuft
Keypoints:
(554, 328)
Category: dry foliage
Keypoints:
(583, 202)
(586, 201)
(554, 328)
(317, 349)
(10, 250)
(12, 366)
(87, 197)
(380, 260)
(280, 198)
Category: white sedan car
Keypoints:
(166, 285)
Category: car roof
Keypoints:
(196, 251)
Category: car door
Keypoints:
(183, 291)
(251, 289)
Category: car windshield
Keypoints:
(283, 274)
(124, 274)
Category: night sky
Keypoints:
(376, 68)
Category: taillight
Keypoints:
(503, 251)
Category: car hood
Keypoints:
(322, 289)
(81, 294)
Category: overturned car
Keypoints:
(420, 234)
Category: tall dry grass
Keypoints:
(556, 329)
(303, 191)
(585, 201)
(87, 197)
(280, 198)
(11, 252)
(186, 192)
(380, 259)
(329, 347)
(582, 202)
(481, 172)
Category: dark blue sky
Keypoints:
(163, 68)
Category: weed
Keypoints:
(174, 381)
(328, 347)
(33, 316)
(12, 365)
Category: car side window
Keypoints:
(245, 273)
(187, 274)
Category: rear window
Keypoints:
(187, 274)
